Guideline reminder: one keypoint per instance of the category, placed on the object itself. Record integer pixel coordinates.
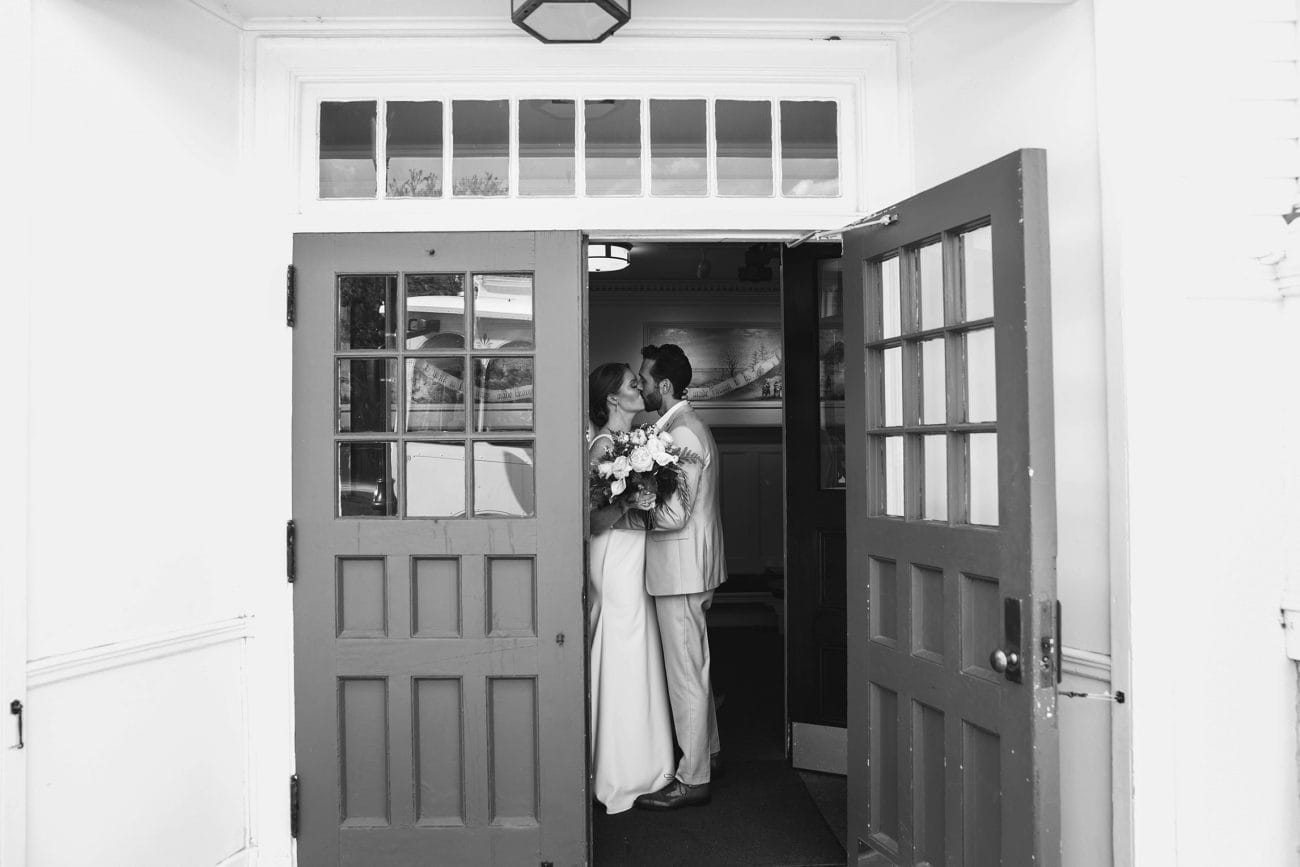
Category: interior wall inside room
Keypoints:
(155, 437)
(988, 79)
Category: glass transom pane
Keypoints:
(414, 150)
(547, 136)
(810, 163)
(613, 143)
(480, 141)
(744, 135)
(503, 311)
(347, 149)
(678, 153)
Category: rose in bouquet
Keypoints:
(639, 460)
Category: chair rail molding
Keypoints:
(133, 651)
(1087, 664)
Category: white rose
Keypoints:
(654, 446)
(605, 469)
(663, 459)
(617, 487)
(665, 437)
(642, 460)
(621, 468)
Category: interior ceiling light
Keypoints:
(570, 20)
(608, 257)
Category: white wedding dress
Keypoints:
(631, 738)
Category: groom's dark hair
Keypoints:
(670, 363)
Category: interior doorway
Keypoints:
(723, 302)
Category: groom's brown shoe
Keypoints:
(675, 794)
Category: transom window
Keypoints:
(670, 147)
(434, 399)
(931, 380)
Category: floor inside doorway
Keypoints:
(763, 811)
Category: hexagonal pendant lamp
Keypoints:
(570, 21)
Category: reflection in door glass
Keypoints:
(983, 478)
(981, 376)
(503, 311)
(890, 298)
(366, 485)
(547, 132)
(367, 395)
(678, 153)
(503, 479)
(935, 450)
(744, 134)
(347, 149)
(435, 394)
(934, 391)
(929, 273)
(414, 150)
(435, 311)
(810, 162)
(367, 312)
(480, 141)
(435, 480)
(977, 272)
(893, 475)
(613, 140)
(503, 394)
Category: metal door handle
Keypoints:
(16, 708)
(1003, 661)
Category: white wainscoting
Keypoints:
(156, 727)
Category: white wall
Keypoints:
(1214, 700)
(988, 79)
(152, 515)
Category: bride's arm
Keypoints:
(605, 517)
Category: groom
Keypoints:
(683, 564)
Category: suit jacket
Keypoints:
(684, 552)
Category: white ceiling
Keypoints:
(266, 14)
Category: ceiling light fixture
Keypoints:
(608, 257)
(561, 21)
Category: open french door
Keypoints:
(438, 498)
(952, 624)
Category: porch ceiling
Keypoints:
(649, 17)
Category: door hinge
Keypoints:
(293, 806)
(290, 550)
(291, 296)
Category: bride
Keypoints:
(631, 741)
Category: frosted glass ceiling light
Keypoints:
(608, 257)
(570, 20)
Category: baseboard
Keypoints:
(819, 748)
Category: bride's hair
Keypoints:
(601, 383)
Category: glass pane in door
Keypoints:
(435, 311)
(830, 373)
(366, 484)
(367, 311)
(367, 395)
(503, 311)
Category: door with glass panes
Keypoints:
(953, 626)
(438, 491)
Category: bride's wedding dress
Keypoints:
(631, 742)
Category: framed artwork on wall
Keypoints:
(734, 364)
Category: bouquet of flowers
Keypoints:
(641, 459)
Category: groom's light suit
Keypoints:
(684, 563)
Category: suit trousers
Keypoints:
(686, 660)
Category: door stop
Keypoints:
(1118, 696)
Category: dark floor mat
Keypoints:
(761, 816)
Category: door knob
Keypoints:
(1003, 661)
